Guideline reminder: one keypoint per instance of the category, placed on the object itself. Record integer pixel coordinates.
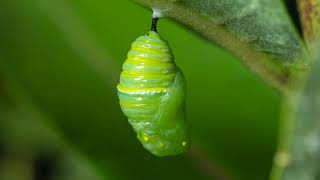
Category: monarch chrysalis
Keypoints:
(152, 95)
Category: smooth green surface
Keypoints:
(31, 146)
(68, 56)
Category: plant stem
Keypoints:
(286, 128)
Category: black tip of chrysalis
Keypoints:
(154, 24)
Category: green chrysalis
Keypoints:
(152, 95)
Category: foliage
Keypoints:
(257, 31)
(66, 56)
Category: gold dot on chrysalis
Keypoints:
(145, 138)
(184, 143)
(161, 144)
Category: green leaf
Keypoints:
(257, 31)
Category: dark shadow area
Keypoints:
(292, 8)
(2, 150)
(45, 166)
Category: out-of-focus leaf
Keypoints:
(31, 148)
(257, 31)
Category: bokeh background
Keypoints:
(60, 119)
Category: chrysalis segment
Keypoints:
(152, 96)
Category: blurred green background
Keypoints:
(60, 117)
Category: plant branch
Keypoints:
(211, 169)
(278, 68)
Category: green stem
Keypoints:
(286, 128)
